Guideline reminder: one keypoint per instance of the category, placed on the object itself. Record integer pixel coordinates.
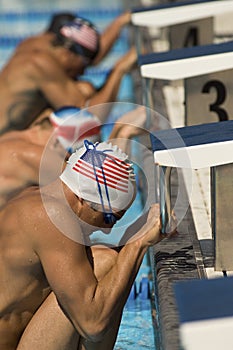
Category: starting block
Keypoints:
(205, 313)
(190, 23)
(195, 147)
(207, 72)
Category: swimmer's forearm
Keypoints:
(93, 304)
(110, 294)
(122, 275)
(106, 297)
(111, 34)
(108, 93)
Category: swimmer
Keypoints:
(51, 65)
(21, 150)
(106, 40)
(25, 147)
(46, 249)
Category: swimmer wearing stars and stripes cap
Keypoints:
(72, 125)
(101, 173)
(79, 36)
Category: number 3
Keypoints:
(221, 96)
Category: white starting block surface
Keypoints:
(205, 308)
(174, 13)
(199, 147)
(186, 63)
(195, 147)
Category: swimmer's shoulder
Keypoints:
(29, 206)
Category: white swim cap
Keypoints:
(73, 125)
(101, 173)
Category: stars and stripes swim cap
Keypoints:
(72, 125)
(83, 37)
(101, 173)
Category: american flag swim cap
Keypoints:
(72, 125)
(101, 173)
(83, 36)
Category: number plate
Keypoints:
(191, 34)
(208, 98)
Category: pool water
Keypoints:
(136, 331)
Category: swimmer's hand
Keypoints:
(147, 228)
(151, 231)
(127, 62)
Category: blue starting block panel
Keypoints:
(202, 146)
(207, 74)
(205, 309)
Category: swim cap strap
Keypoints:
(96, 156)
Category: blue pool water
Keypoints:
(136, 331)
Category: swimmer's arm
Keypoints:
(111, 34)
(91, 305)
(126, 127)
(109, 91)
(130, 124)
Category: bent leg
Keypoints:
(49, 329)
